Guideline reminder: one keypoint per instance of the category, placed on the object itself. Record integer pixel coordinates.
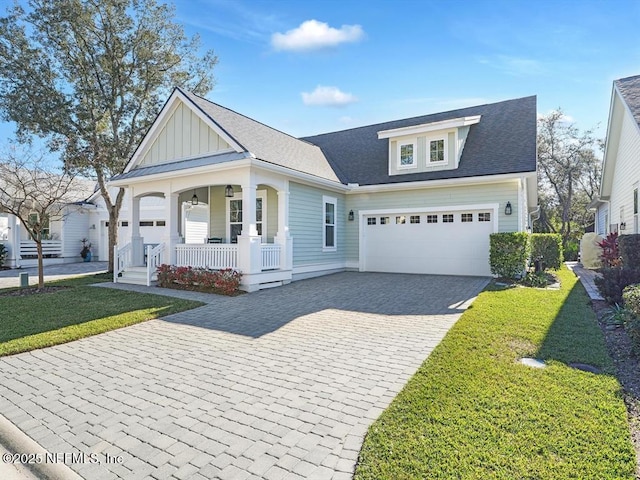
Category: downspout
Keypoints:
(536, 212)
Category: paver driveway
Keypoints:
(276, 384)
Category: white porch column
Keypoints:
(137, 242)
(249, 255)
(14, 241)
(283, 237)
(172, 233)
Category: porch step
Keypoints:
(136, 276)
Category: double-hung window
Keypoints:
(436, 151)
(329, 210)
(407, 155)
(234, 215)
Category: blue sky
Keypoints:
(384, 60)
(309, 67)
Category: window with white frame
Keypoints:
(447, 218)
(384, 220)
(414, 219)
(234, 215)
(329, 223)
(467, 217)
(432, 218)
(437, 151)
(407, 155)
(484, 217)
(371, 221)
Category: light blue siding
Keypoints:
(306, 224)
(499, 193)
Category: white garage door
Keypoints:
(441, 243)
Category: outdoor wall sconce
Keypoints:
(228, 191)
(350, 215)
(507, 209)
(194, 199)
(623, 226)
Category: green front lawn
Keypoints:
(45, 319)
(473, 412)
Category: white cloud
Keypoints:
(328, 96)
(315, 35)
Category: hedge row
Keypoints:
(511, 252)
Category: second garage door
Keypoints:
(441, 243)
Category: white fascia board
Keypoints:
(429, 127)
(389, 187)
(167, 110)
(250, 160)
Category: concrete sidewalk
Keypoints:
(11, 278)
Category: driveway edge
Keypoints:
(15, 440)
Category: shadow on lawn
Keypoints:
(575, 337)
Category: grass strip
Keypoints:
(46, 319)
(473, 411)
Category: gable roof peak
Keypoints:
(629, 90)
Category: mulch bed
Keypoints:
(196, 288)
(23, 292)
(627, 370)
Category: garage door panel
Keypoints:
(458, 248)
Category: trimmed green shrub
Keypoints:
(509, 254)
(613, 282)
(629, 246)
(631, 297)
(570, 251)
(547, 247)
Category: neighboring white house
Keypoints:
(419, 195)
(62, 237)
(617, 205)
(85, 218)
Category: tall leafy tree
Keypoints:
(89, 76)
(568, 176)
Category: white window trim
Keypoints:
(445, 139)
(238, 196)
(401, 144)
(334, 201)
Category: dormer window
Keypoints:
(437, 151)
(427, 147)
(407, 155)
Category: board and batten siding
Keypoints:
(499, 193)
(626, 174)
(183, 135)
(306, 223)
(75, 227)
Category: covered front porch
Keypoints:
(227, 224)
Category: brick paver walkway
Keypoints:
(276, 384)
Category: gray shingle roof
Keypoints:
(503, 142)
(629, 88)
(267, 143)
(181, 165)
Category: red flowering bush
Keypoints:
(224, 281)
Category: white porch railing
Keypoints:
(121, 259)
(270, 253)
(218, 256)
(51, 248)
(154, 258)
(209, 255)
